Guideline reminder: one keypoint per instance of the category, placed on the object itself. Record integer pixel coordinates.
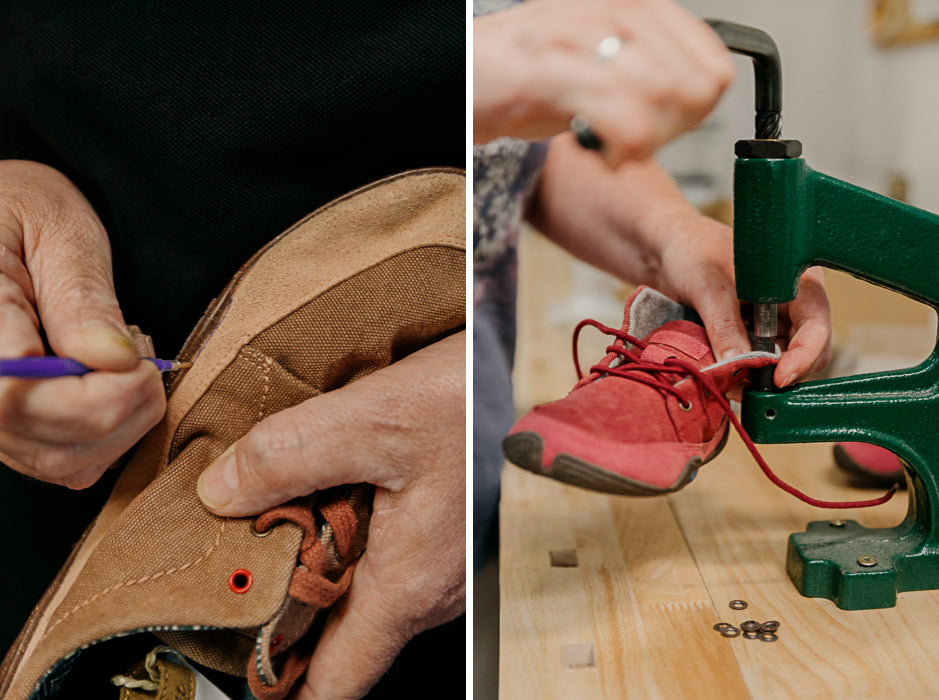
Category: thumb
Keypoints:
(69, 261)
(91, 330)
(312, 446)
(720, 313)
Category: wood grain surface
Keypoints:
(615, 597)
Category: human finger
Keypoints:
(702, 45)
(390, 428)
(11, 266)
(720, 312)
(67, 255)
(809, 348)
(361, 639)
(77, 409)
(412, 577)
(75, 465)
(302, 449)
(20, 336)
(668, 74)
(56, 452)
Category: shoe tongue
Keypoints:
(682, 339)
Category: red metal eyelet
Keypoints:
(240, 581)
(275, 643)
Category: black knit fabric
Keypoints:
(198, 131)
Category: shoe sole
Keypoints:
(524, 450)
(864, 477)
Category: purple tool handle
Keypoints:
(50, 367)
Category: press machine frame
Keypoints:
(788, 217)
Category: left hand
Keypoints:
(697, 270)
(402, 429)
(635, 223)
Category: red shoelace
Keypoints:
(657, 376)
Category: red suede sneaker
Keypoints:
(871, 464)
(646, 417)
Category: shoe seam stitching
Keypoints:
(133, 582)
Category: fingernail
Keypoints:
(218, 484)
(727, 354)
(786, 381)
(97, 328)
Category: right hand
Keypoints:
(55, 275)
(535, 67)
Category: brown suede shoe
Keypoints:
(355, 286)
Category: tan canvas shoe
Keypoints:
(358, 284)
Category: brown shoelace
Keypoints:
(309, 583)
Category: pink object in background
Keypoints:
(874, 465)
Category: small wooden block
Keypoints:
(563, 557)
(578, 655)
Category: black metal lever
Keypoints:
(767, 74)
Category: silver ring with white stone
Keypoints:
(608, 48)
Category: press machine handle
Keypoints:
(767, 72)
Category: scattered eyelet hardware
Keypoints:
(686, 406)
(837, 523)
(240, 581)
(867, 560)
(749, 629)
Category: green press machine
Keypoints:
(788, 217)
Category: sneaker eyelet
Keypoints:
(260, 533)
(240, 581)
(685, 406)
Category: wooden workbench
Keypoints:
(613, 597)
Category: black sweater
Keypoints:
(200, 130)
